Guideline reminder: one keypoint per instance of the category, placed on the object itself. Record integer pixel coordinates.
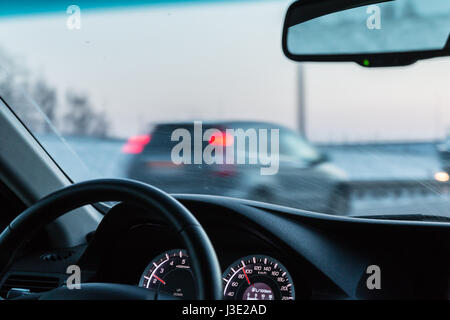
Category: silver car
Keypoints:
(305, 178)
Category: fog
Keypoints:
(223, 61)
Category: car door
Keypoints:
(300, 181)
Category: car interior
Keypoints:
(116, 238)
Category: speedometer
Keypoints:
(257, 277)
(171, 273)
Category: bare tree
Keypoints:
(46, 98)
(25, 98)
(82, 119)
(30, 99)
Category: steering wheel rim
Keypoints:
(203, 257)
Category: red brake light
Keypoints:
(223, 139)
(136, 144)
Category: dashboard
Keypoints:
(149, 254)
(266, 252)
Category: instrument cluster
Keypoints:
(254, 277)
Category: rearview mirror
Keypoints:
(372, 33)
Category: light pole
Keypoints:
(301, 113)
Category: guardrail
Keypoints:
(397, 189)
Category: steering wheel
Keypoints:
(203, 257)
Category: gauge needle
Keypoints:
(158, 278)
(245, 274)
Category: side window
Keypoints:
(288, 144)
(294, 146)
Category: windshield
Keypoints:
(197, 97)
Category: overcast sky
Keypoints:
(223, 61)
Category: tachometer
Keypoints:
(257, 277)
(171, 273)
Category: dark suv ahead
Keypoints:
(305, 178)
